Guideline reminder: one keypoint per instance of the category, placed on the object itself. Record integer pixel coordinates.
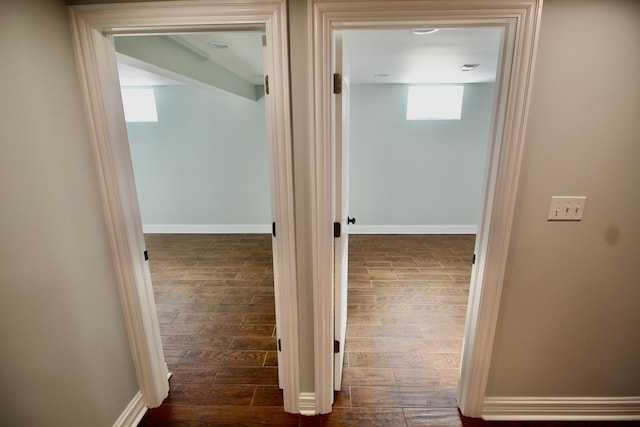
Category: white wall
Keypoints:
(569, 323)
(187, 174)
(64, 355)
(205, 162)
(417, 172)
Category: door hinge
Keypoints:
(337, 83)
(266, 85)
(336, 229)
(273, 229)
(146, 255)
(473, 261)
(264, 40)
(336, 346)
(279, 345)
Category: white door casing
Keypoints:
(92, 29)
(520, 20)
(341, 190)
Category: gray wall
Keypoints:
(64, 355)
(204, 162)
(569, 323)
(300, 69)
(417, 172)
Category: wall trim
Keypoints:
(561, 408)
(206, 228)
(133, 413)
(308, 404)
(413, 229)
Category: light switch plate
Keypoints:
(567, 208)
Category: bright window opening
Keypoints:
(434, 102)
(139, 105)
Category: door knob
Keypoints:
(351, 220)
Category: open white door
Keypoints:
(341, 191)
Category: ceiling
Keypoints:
(238, 51)
(400, 56)
(374, 56)
(243, 53)
(133, 74)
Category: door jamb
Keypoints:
(521, 19)
(92, 27)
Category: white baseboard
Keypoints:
(307, 404)
(561, 408)
(207, 228)
(266, 228)
(413, 229)
(133, 413)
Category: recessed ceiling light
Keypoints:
(469, 67)
(219, 45)
(423, 31)
(381, 75)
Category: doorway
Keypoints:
(200, 158)
(94, 27)
(507, 131)
(415, 182)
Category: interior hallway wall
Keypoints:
(299, 51)
(569, 323)
(64, 354)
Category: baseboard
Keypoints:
(413, 229)
(266, 228)
(561, 408)
(308, 404)
(133, 413)
(207, 228)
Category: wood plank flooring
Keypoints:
(215, 301)
(406, 311)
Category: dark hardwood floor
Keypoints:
(406, 310)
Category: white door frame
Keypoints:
(92, 28)
(521, 20)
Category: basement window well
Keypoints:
(434, 102)
(139, 105)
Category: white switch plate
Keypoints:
(564, 208)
